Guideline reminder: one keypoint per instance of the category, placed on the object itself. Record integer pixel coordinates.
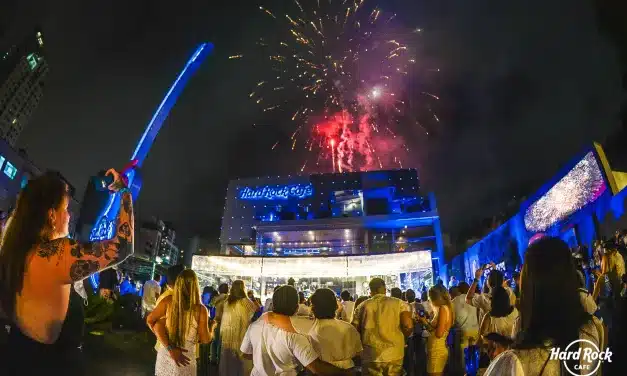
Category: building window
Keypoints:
(25, 179)
(10, 170)
(32, 61)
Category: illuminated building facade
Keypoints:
(155, 242)
(15, 171)
(582, 203)
(335, 214)
(261, 274)
(22, 73)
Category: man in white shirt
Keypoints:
(267, 307)
(348, 307)
(466, 324)
(383, 323)
(152, 290)
(276, 351)
(336, 341)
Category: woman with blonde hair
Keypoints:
(237, 313)
(180, 321)
(437, 351)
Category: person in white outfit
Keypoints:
(277, 351)
(180, 321)
(151, 293)
(348, 306)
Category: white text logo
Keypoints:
(587, 355)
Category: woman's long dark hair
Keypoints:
(550, 306)
(501, 306)
(28, 222)
(237, 292)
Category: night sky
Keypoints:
(524, 85)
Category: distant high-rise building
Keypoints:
(155, 242)
(22, 72)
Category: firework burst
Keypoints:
(339, 71)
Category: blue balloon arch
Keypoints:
(104, 226)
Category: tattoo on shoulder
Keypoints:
(81, 269)
(79, 250)
(50, 249)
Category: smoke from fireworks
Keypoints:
(339, 69)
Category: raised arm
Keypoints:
(83, 259)
(473, 286)
(76, 261)
(158, 313)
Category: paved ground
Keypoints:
(120, 353)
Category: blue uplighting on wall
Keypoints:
(148, 138)
(276, 192)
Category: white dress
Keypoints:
(165, 365)
(235, 321)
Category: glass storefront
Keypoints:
(352, 273)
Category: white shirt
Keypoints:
(276, 352)
(219, 304)
(587, 301)
(303, 310)
(505, 326)
(484, 301)
(378, 320)
(268, 306)
(151, 293)
(347, 311)
(336, 341)
(465, 314)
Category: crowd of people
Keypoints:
(490, 326)
(500, 327)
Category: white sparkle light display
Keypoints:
(344, 266)
(581, 186)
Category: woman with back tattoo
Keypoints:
(39, 264)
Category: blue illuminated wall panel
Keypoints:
(565, 207)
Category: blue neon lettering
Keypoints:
(102, 231)
(279, 192)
